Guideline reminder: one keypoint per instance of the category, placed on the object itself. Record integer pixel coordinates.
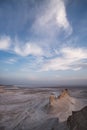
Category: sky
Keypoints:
(43, 42)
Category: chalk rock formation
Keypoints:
(78, 120)
(63, 105)
(53, 99)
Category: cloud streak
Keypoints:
(70, 59)
(53, 18)
(11, 61)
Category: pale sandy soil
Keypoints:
(26, 109)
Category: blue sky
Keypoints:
(43, 42)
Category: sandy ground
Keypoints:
(26, 109)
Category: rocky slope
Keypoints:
(78, 120)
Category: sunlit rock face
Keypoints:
(78, 120)
(53, 99)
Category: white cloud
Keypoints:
(61, 15)
(70, 60)
(53, 17)
(74, 53)
(28, 49)
(5, 43)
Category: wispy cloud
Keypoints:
(22, 49)
(32, 64)
(53, 18)
(5, 42)
(28, 49)
(70, 59)
(11, 61)
(63, 58)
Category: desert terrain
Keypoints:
(39, 108)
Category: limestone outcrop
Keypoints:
(63, 94)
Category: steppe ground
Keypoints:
(26, 108)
